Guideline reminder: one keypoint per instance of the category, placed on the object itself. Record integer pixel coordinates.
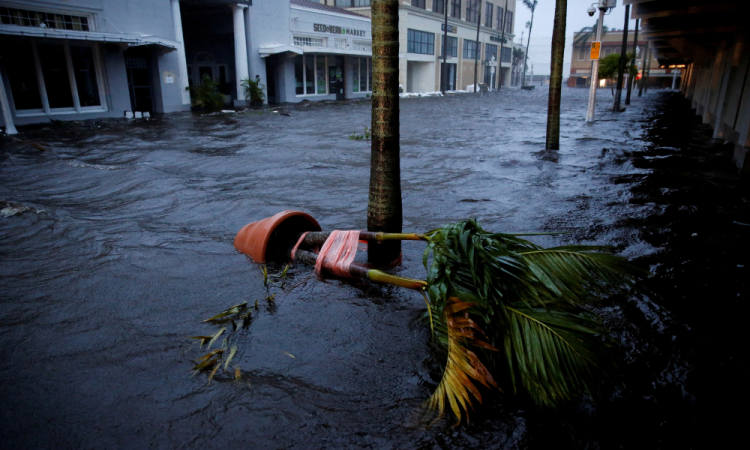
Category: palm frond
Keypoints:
(529, 301)
(456, 387)
(555, 355)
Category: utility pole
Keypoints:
(623, 60)
(635, 54)
(444, 81)
(476, 55)
(595, 66)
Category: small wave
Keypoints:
(93, 166)
(9, 209)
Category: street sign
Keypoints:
(595, 47)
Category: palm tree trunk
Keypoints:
(384, 207)
(526, 57)
(635, 49)
(555, 82)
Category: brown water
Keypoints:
(126, 246)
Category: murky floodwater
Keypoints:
(125, 245)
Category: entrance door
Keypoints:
(336, 77)
(139, 82)
(451, 76)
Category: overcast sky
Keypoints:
(541, 35)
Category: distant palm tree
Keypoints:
(587, 33)
(531, 4)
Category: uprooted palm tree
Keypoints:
(586, 33)
(504, 307)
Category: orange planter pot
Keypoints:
(274, 237)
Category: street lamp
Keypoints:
(602, 5)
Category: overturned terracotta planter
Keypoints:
(272, 237)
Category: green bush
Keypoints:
(253, 90)
(205, 95)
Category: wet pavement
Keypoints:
(116, 243)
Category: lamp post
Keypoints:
(602, 6)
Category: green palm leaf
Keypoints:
(529, 301)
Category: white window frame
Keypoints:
(582, 53)
(77, 108)
(309, 41)
(315, 72)
(368, 68)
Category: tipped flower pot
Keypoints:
(273, 237)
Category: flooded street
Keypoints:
(117, 242)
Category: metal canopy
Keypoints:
(686, 31)
(132, 40)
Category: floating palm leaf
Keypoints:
(529, 301)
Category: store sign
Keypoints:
(451, 28)
(333, 29)
(498, 39)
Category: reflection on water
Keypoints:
(117, 243)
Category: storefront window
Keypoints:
(321, 74)
(310, 75)
(61, 67)
(362, 74)
(22, 76)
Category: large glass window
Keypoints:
(472, 11)
(456, 9)
(57, 76)
(490, 51)
(489, 8)
(418, 3)
(22, 75)
(470, 49)
(420, 42)
(499, 19)
(310, 75)
(505, 54)
(438, 6)
(452, 47)
(362, 74)
(508, 21)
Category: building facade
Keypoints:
(84, 59)
(580, 63)
(421, 32)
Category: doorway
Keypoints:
(451, 75)
(139, 79)
(336, 77)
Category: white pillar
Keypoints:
(10, 128)
(241, 68)
(177, 17)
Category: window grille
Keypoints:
(339, 43)
(420, 42)
(29, 18)
(303, 41)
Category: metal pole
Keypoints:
(476, 55)
(10, 127)
(635, 49)
(595, 72)
(444, 81)
(623, 61)
(674, 77)
(643, 70)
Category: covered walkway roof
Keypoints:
(686, 31)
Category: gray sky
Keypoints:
(541, 34)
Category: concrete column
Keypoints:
(10, 128)
(241, 68)
(182, 61)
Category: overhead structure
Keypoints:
(708, 41)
